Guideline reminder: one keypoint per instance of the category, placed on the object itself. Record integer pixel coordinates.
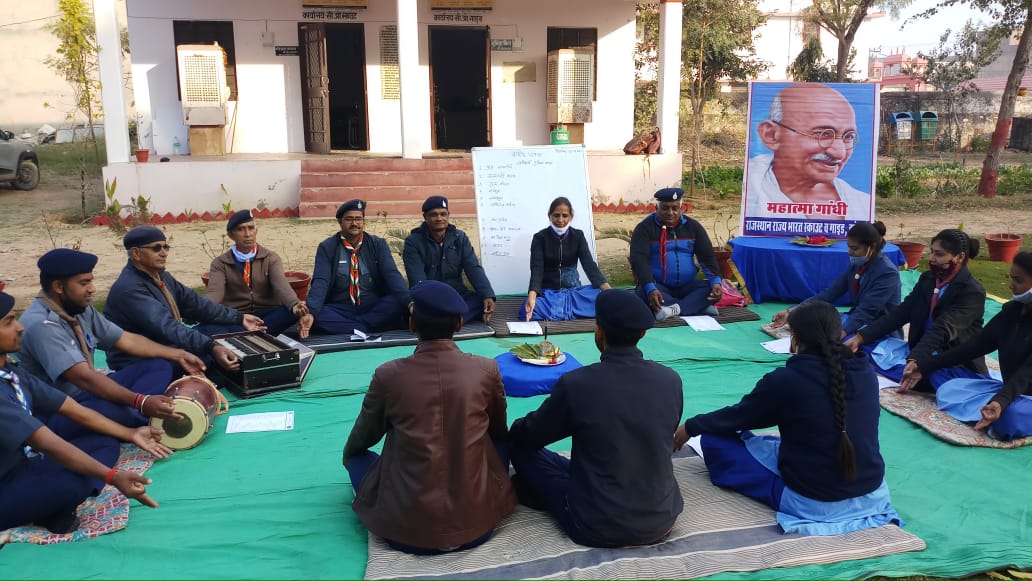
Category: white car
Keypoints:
(18, 162)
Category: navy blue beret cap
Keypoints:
(669, 195)
(433, 297)
(434, 202)
(142, 235)
(65, 262)
(620, 309)
(349, 206)
(238, 218)
(6, 304)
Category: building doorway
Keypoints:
(333, 86)
(460, 87)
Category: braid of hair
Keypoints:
(846, 453)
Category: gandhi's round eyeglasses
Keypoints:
(826, 137)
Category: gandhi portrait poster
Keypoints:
(811, 158)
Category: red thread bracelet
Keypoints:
(137, 401)
(110, 476)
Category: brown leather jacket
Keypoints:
(439, 482)
(269, 287)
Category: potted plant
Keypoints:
(299, 281)
(1003, 246)
(912, 251)
(723, 232)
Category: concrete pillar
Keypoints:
(668, 102)
(414, 93)
(116, 120)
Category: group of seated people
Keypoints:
(62, 418)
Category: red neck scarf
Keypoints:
(353, 273)
(662, 251)
(856, 277)
(939, 284)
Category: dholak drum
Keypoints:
(198, 401)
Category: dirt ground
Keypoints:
(31, 223)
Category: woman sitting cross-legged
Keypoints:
(1004, 406)
(556, 293)
(944, 309)
(824, 474)
(871, 282)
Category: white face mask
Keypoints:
(1025, 297)
(560, 231)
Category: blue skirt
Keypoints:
(963, 399)
(563, 305)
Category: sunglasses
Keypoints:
(157, 248)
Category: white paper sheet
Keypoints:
(885, 382)
(780, 346)
(695, 443)
(263, 422)
(524, 327)
(703, 323)
(360, 336)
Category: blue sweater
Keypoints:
(446, 262)
(797, 399)
(879, 291)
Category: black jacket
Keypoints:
(549, 255)
(622, 413)
(427, 260)
(957, 317)
(328, 287)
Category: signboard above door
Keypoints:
(461, 4)
(335, 3)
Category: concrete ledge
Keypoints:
(616, 177)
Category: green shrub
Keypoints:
(724, 181)
(980, 143)
(1014, 179)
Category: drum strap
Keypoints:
(73, 321)
(168, 298)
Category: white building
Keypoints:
(400, 80)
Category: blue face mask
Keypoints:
(1025, 297)
(857, 260)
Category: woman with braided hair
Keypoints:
(944, 309)
(824, 474)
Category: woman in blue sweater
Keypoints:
(871, 282)
(555, 292)
(824, 474)
(1003, 406)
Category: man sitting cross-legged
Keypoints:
(43, 476)
(442, 482)
(62, 331)
(618, 487)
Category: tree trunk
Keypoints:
(991, 165)
(843, 59)
(697, 105)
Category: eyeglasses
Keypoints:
(157, 248)
(352, 220)
(826, 137)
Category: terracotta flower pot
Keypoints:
(912, 251)
(142, 155)
(205, 278)
(1003, 246)
(723, 257)
(299, 281)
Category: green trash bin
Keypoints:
(560, 136)
(929, 124)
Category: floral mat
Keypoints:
(920, 408)
(105, 513)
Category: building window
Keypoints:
(208, 32)
(579, 38)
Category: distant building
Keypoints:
(894, 71)
(993, 77)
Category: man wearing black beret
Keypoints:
(62, 332)
(356, 284)
(147, 300)
(664, 249)
(250, 279)
(45, 475)
(437, 250)
(442, 483)
(618, 486)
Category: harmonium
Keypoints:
(266, 364)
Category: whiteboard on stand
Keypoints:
(514, 187)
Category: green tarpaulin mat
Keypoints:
(277, 504)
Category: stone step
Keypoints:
(394, 209)
(372, 164)
(376, 194)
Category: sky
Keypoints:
(917, 36)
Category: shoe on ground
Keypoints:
(668, 311)
(61, 523)
(712, 311)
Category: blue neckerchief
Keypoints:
(19, 396)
